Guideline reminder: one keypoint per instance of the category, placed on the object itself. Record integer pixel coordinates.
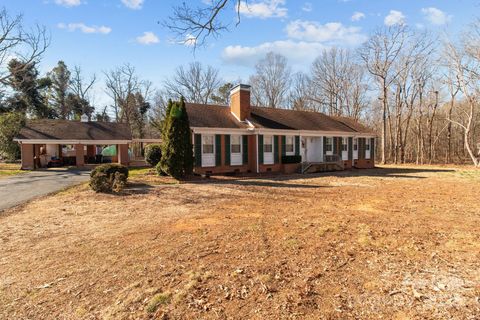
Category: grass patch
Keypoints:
(10, 169)
(158, 300)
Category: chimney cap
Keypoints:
(240, 86)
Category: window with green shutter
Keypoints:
(275, 150)
(245, 149)
(218, 150)
(297, 145)
(198, 149)
(227, 149)
(260, 149)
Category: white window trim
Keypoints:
(290, 153)
(236, 155)
(329, 153)
(208, 154)
(345, 152)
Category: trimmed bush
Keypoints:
(153, 154)
(109, 169)
(100, 183)
(119, 182)
(109, 177)
(291, 159)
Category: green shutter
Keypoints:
(284, 145)
(297, 145)
(275, 149)
(335, 145)
(260, 149)
(350, 148)
(372, 149)
(227, 149)
(218, 150)
(245, 149)
(198, 149)
(361, 148)
(324, 145)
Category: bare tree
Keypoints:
(195, 82)
(193, 25)
(340, 83)
(301, 93)
(26, 45)
(122, 85)
(271, 81)
(80, 86)
(464, 63)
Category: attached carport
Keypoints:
(41, 141)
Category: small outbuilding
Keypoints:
(48, 142)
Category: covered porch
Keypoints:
(53, 154)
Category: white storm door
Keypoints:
(268, 149)
(208, 150)
(236, 158)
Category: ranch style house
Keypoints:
(239, 138)
(244, 138)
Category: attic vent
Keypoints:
(84, 118)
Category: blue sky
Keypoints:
(102, 34)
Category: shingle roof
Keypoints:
(215, 116)
(273, 118)
(48, 129)
(212, 116)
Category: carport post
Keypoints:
(27, 156)
(122, 152)
(80, 155)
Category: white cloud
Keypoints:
(84, 28)
(307, 7)
(357, 16)
(436, 16)
(68, 3)
(133, 4)
(394, 17)
(264, 9)
(190, 40)
(296, 52)
(147, 38)
(329, 32)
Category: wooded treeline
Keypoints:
(419, 91)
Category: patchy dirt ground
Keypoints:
(391, 243)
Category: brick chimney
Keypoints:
(240, 101)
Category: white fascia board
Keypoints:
(220, 130)
(313, 133)
(307, 133)
(85, 142)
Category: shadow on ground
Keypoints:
(277, 180)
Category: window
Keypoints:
(367, 144)
(267, 144)
(236, 144)
(289, 145)
(329, 144)
(207, 144)
(344, 144)
(355, 144)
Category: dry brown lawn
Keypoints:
(9, 169)
(391, 243)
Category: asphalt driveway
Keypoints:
(16, 190)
